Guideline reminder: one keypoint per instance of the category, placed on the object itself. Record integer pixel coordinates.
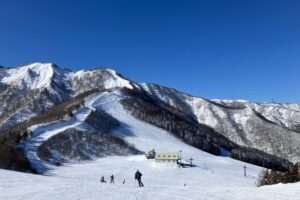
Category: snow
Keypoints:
(81, 181)
(157, 93)
(238, 120)
(41, 133)
(213, 177)
(33, 76)
(229, 100)
(116, 81)
(39, 75)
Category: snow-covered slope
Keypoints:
(161, 183)
(34, 76)
(113, 80)
(213, 177)
(33, 89)
(42, 133)
(41, 75)
(273, 128)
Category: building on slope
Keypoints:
(167, 157)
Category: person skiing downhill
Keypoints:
(138, 177)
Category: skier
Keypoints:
(138, 177)
(112, 179)
(102, 180)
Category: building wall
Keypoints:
(165, 161)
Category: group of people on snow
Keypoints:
(112, 179)
(137, 176)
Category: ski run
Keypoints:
(213, 177)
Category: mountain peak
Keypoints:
(32, 76)
(40, 75)
(111, 78)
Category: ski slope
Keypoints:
(43, 132)
(212, 178)
(81, 181)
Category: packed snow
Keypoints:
(41, 133)
(81, 182)
(212, 177)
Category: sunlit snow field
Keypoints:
(220, 178)
(213, 177)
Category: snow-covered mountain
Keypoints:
(212, 177)
(270, 127)
(43, 105)
(28, 90)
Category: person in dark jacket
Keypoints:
(102, 180)
(138, 177)
(112, 179)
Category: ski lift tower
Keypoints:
(191, 162)
(245, 168)
(180, 155)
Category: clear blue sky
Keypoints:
(247, 49)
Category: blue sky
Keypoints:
(247, 49)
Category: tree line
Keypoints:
(270, 177)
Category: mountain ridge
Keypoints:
(269, 127)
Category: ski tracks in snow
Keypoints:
(43, 132)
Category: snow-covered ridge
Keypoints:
(112, 81)
(270, 127)
(33, 76)
(239, 120)
(229, 100)
(40, 75)
(28, 90)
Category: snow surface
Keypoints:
(40, 75)
(81, 181)
(113, 81)
(238, 120)
(33, 76)
(41, 133)
(213, 177)
(116, 81)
